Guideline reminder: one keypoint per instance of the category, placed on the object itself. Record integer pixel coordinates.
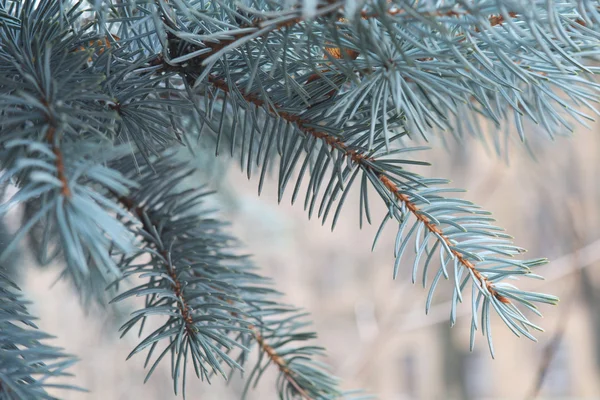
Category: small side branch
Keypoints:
(435, 229)
(279, 361)
(59, 161)
(182, 305)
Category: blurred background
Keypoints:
(375, 328)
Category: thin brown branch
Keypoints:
(59, 161)
(360, 159)
(274, 357)
(435, 229)
(279, 361)
(184, 308)
(53, 142)
(182, 304)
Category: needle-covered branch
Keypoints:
(213, 301)
(457, 231)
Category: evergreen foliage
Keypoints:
(102, 102)
(27, 363)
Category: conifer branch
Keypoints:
(185, 309)
(433, 228)
(194, 270)
(366, 163)
(468, 256)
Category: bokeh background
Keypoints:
(375, 328)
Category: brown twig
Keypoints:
(60, 165)
(59, 161)
(183, 306)
(279, 361)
